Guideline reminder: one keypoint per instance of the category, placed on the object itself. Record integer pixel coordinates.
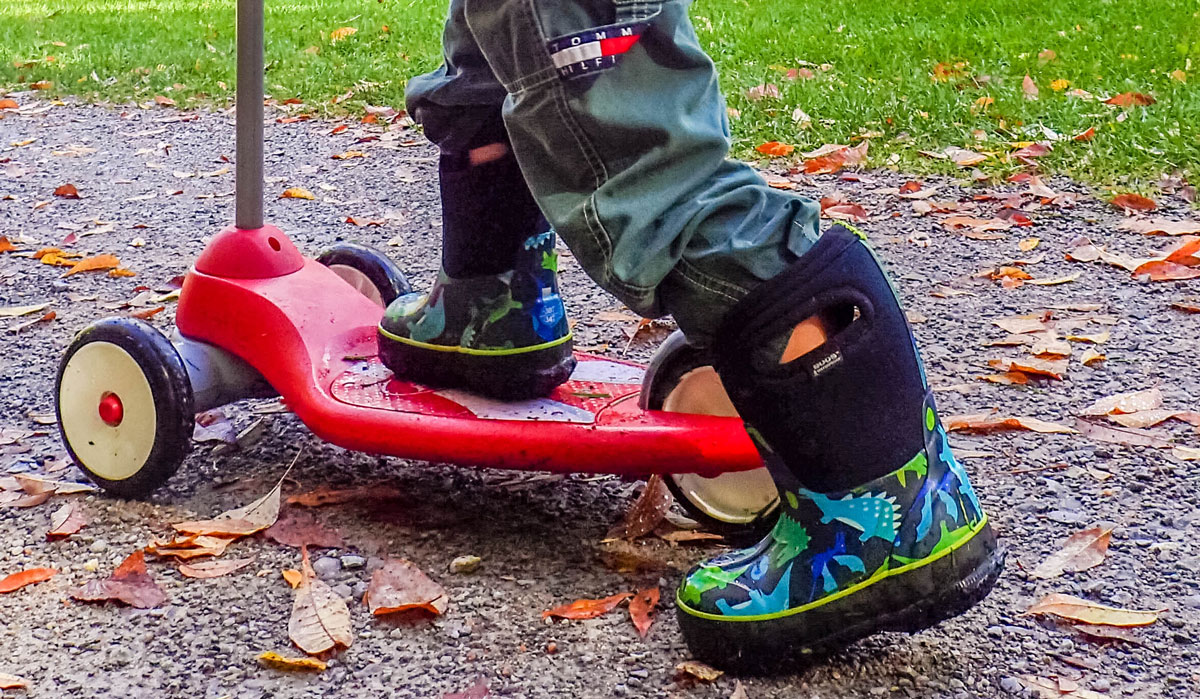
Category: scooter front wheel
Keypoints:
(368, 270)
(681, 379)
(124, 405)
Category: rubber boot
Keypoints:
(502, 335)
(879, 527)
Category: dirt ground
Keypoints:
(163, 181)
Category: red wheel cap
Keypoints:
(111, 409)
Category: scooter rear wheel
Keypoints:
(681, 379)
(124, 405)
(366, 269)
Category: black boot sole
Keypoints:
(521, 376)
(909, 602)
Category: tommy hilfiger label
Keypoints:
(577, 55)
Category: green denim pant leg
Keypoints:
(626, 152)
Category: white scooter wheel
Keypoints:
(368, 270)
(681, 379)
(124, 405)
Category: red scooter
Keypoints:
(257, 318)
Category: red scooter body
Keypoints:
(313, 338)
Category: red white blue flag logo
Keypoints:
(594, 50)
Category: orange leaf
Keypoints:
(641, 609)
(846, 212)
(213, 568)
(984, 423)
(9, 104)
(147, 313)
(26, 577)
(293, 577)
(1134, 202)
(121, 272)
(1130, 99)
(296, 193)
(1085, 135)
(276, 661)
(91, 264)
(588, 608)
(1162, 270)
(399, 585)
(1029, 88)
(338, 129)
(349, 154)
(41, 85)
(67, 191)
(164, 101)
(775, 149)
(66, 520)
(341, 33)
(6, 244)
(910, 187)
(1185, 252)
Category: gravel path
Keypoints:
(162, 180)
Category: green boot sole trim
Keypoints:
(877, 577)
(456, 349)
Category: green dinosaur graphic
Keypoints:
(791, 539)
(948, 539)
(708, 578)
(918, 465)
(550, 261)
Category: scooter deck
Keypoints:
(313, 338)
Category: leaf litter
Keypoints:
(129, 583)
(320, 620)
(401, 586)
(1082, 550)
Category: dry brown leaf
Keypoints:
(336, 496)
(66, 520)
(29, 576)
(641, 609)
(1027, 244)
(1160, 226)
(1029, 88)
(1077, 609)
(1130, 99)
(1108, 633)
(1091, 357)
(242, 521)
(963, 157)
(292, 577)
(687, 536)
(213, 569)
(1164, 270)
(984, 423)
(1081, 550)
(399, 586)
(342, 33)
(275, 661)
(1055, 280)
(1018, 325)
(955, 223)
(320, 619)
(587, 608)
(646, 512)
(1133, 202)
(1061, 688)
(8, 681)
(18, 311)
(296, 193)
(67, 191)
(1120, 435)
(1048, 368)
(1095, 339)
(1186, 453)
(129, 583)
(694, 669)
(1150, 418)
(1133, 402)
(190, 546)
(299, 528)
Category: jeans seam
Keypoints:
(604, 241)
(706, 282)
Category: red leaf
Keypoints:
(67, 191)
(846, 212)
(1130, 99)
(641, 609)
(775, 149)
(588, 608)
(1035, 150)
(26, 577)
(479, 690)
(66, 520)
(1087, 135)
(1134, 202)
(1162, 270)
(299, 528)
(910, 186)
(129, 583)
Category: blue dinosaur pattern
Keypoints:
(872, 515)
(760, 603)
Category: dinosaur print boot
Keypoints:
(502, 335)
(879, 527)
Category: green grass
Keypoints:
(880, 59)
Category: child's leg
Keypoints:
(617, 122)
(493, 322)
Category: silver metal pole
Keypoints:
(249, 114)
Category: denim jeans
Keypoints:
(616, 119)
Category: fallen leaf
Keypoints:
(1120, 435)
(758, 92)
(399, 586)
(1027, 244)
(342, 33)
(1186, 453)
(129, 583)
(296, 193)
(1033, 150)
(66, 520)
(1029, 88)
(146, 313)
(338, 129)
(641, 609)
(242, 521)
(320, 619)
(1018, 325)
(67, 191)
(276, 661)
(17, 311)
(299, 528)
(846, 212)
(1107, 633)
(479, 690)
(1058, 689)
(695, 669)
(1009, 378)
(349, 154)
(1150, 418)
(1160, 226)
(1091, 357)
(739, 691)
(30, 576)
(6, 244)
(587, 608)
(1163, 270)
(94, 263)
(1077, 609)
(1132, 402)
(1130, 99)
(646, 512)
(336, 496)
(213, 569)
(1054, 281)
(963, 157)
(775, 149)
(1050, 369)
(983, 423)
(686, 536)
(190, 546)
(7, 103)
(1096, 339)
(1081, 550)
(979, 224)
(8, 681)
(1133, 202)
